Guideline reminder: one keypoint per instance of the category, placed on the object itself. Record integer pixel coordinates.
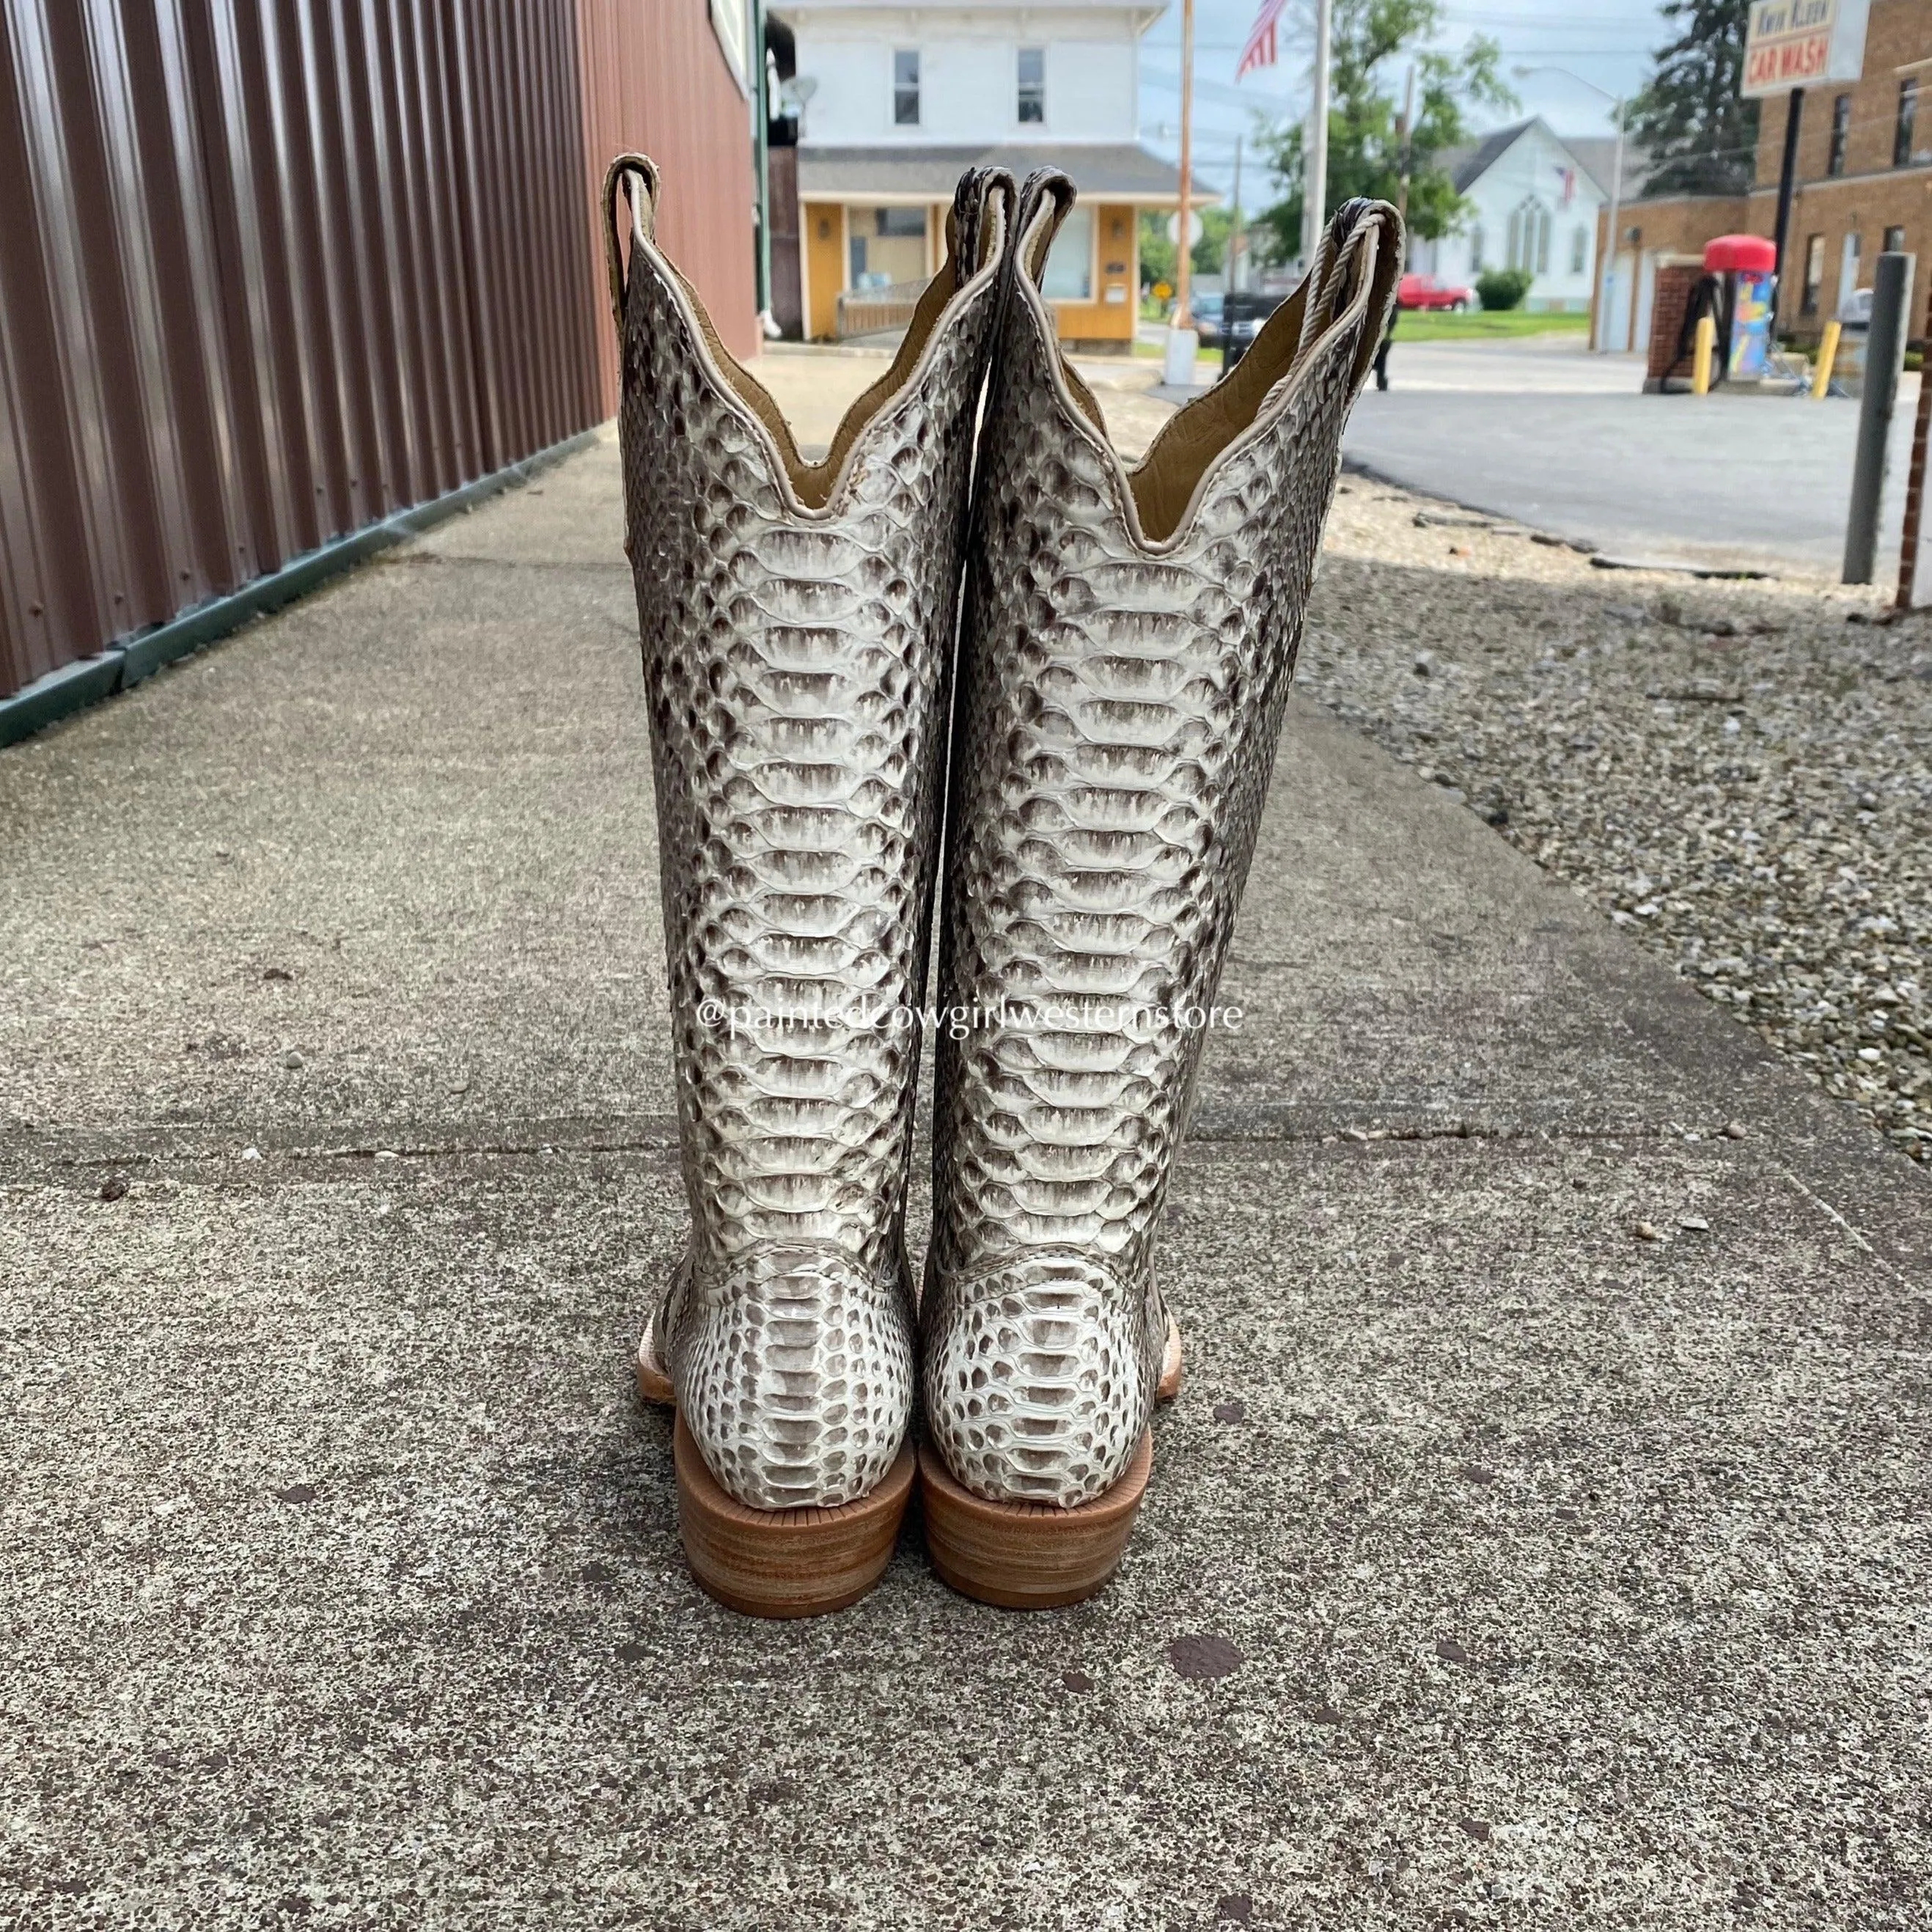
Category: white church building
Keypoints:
(1536, 199)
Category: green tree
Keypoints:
(1157, 252)
(1698, 136)
(1365, 144)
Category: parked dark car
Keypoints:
(1242, 317)
(1206, 310)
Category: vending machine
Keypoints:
(1744, 267)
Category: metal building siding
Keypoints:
(655, 80)
(271, 270)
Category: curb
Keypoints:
(125, 664)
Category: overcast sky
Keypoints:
(1607, 43)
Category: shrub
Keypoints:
(1503, 288)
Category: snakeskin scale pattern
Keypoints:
(1120, 704)
(796, 665)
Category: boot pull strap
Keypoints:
(1039, 185)
(1357, 227)
(966, 224)
(643, 220)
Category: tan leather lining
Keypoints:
(812, 482)
(1163, 483)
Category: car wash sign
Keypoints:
(1799, 42)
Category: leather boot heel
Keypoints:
(785, 1563)
(1027, 1556)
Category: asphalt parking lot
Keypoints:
(1541, 431)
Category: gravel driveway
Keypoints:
(1740, 774)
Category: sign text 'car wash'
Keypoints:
(1799, 42)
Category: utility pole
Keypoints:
(1609, 278)
(757, 59)
(1402, 134)
(1786, 179)
(1884, 356)
(1316, 199)
(1231, 266)
(1184, 244)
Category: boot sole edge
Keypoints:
(1027, 1556)
(783, 1564)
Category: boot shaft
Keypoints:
(1128, 641)
(1128, 644)
(796, 622)
(797, 627)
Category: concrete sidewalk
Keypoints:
(1558, 1577)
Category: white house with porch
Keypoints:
(895, 101)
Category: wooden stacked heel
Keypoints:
(1028, 1556)
(807, 1562)
(778, 1563)
(785, 1563)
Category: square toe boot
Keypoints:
(798, 622)
(1127, 642)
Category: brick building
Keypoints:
(1863, 184)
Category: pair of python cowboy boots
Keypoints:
(981, 630)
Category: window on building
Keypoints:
(1853, 250)
(1894, 240)
(1814, 274)
(1908, 118)
(1580, 249)
(887, 245)
(1528, 247)
(905, 88)
(1475, 248)
(1069, 273)
(1841, 127)
(1033, 85)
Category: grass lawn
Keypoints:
(1478, 324)
(1439, 325)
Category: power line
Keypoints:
(1573, 53)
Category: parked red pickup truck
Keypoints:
(1426, 292)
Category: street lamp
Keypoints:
(1609, 281)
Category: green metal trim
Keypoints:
(128, 661)
(47, 700)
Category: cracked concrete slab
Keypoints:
(1500, 1565)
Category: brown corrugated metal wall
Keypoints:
(654, 79)
(272, 270)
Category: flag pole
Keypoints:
(1317, 166)
(1231, 263)
(1184, 245)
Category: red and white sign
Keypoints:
(1792, 43)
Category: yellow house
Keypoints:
(872, 229)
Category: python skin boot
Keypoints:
(1127, 642)
(798, 622)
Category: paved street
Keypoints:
(1562, 1578)
(1542, 430)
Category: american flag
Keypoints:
(1568, 176)
(1259, 51)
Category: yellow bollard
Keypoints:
(1700, 362)
(1828, 354)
